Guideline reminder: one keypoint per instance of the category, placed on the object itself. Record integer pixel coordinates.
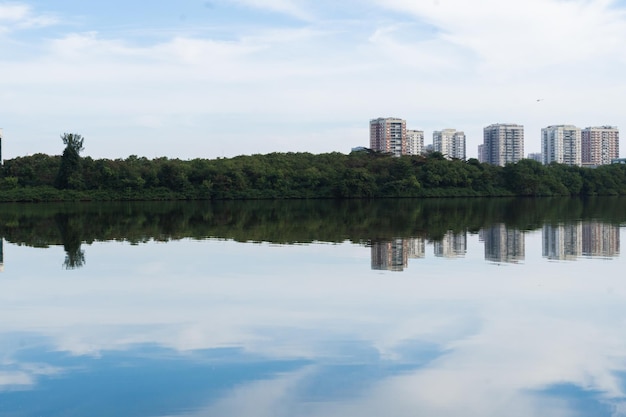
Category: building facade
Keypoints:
(414, 142)
(481, 153)
(599, 145)
(561, 144)
(503, 143)
(388, 135)
(450, 143)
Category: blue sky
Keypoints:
(213, 78)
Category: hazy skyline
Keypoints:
(216, 78)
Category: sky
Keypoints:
(220, 78)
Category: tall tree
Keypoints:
(70, 175)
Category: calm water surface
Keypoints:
(392, 308)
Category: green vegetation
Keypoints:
(70, 173)
(362, 174)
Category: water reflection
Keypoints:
(453, 245)
(588, 238)
(563, 241)
(503, 244)
(71, 235)
(248, 324)
(392, 255)
(396, 230)
(600, 239)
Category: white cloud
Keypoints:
(428, 56)
(267, 398)
(25, 375)
(11, 380)
(13, 12)
(21, 16)
(519, 36)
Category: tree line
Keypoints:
(301, 175)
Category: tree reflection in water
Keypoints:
(71, 230)
(289, 221)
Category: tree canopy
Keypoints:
(69, 174)
(360, 174)
(73, 142)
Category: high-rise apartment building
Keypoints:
(450, 143)
(414, 142)
(562, 144)
(481, 153)
(503, 143)
(600, 145)
(388, 135)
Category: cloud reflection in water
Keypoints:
(207, 328)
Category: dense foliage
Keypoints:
(362, 174)
(70, 173)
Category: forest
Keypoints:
(360, 174)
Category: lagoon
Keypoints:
(314, 308)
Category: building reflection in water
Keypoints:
(393, 255)
(417, 248)
(453, 245)
(563, 242)
(503, 244)
(587, 238)
(600, 239)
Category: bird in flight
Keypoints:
(539, 99)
